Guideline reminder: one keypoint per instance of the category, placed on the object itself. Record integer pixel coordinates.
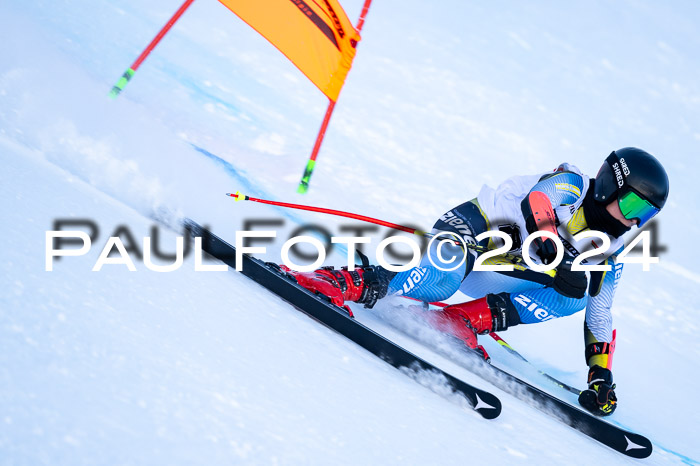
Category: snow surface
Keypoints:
(118, 367)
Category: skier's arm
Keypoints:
(562, 188)
(601, 292)
(599, 340)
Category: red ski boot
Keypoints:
(492, 313)
(364, 285)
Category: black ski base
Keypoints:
(337, 318)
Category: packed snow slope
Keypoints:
(119, 367)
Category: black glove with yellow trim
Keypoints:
(599, 398)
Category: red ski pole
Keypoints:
(129, 73)
(242, 197)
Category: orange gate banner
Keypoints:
(316, 35)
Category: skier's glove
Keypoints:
(600, 397)
(567, 282)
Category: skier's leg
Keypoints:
(522, 301)
(445, 264)
(436, 278)
(493, 312)
(542, 304)
(365, 285)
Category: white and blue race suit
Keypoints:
(499, 209)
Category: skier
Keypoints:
(629, 189)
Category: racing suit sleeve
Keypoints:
(598, 331)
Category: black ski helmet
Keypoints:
(632, 172)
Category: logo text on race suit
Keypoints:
(618, 271)
(414, 278)
(460, 225)
(541, 313)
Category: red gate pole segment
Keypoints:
(129, 73)
(308, 171)
(361, 21)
